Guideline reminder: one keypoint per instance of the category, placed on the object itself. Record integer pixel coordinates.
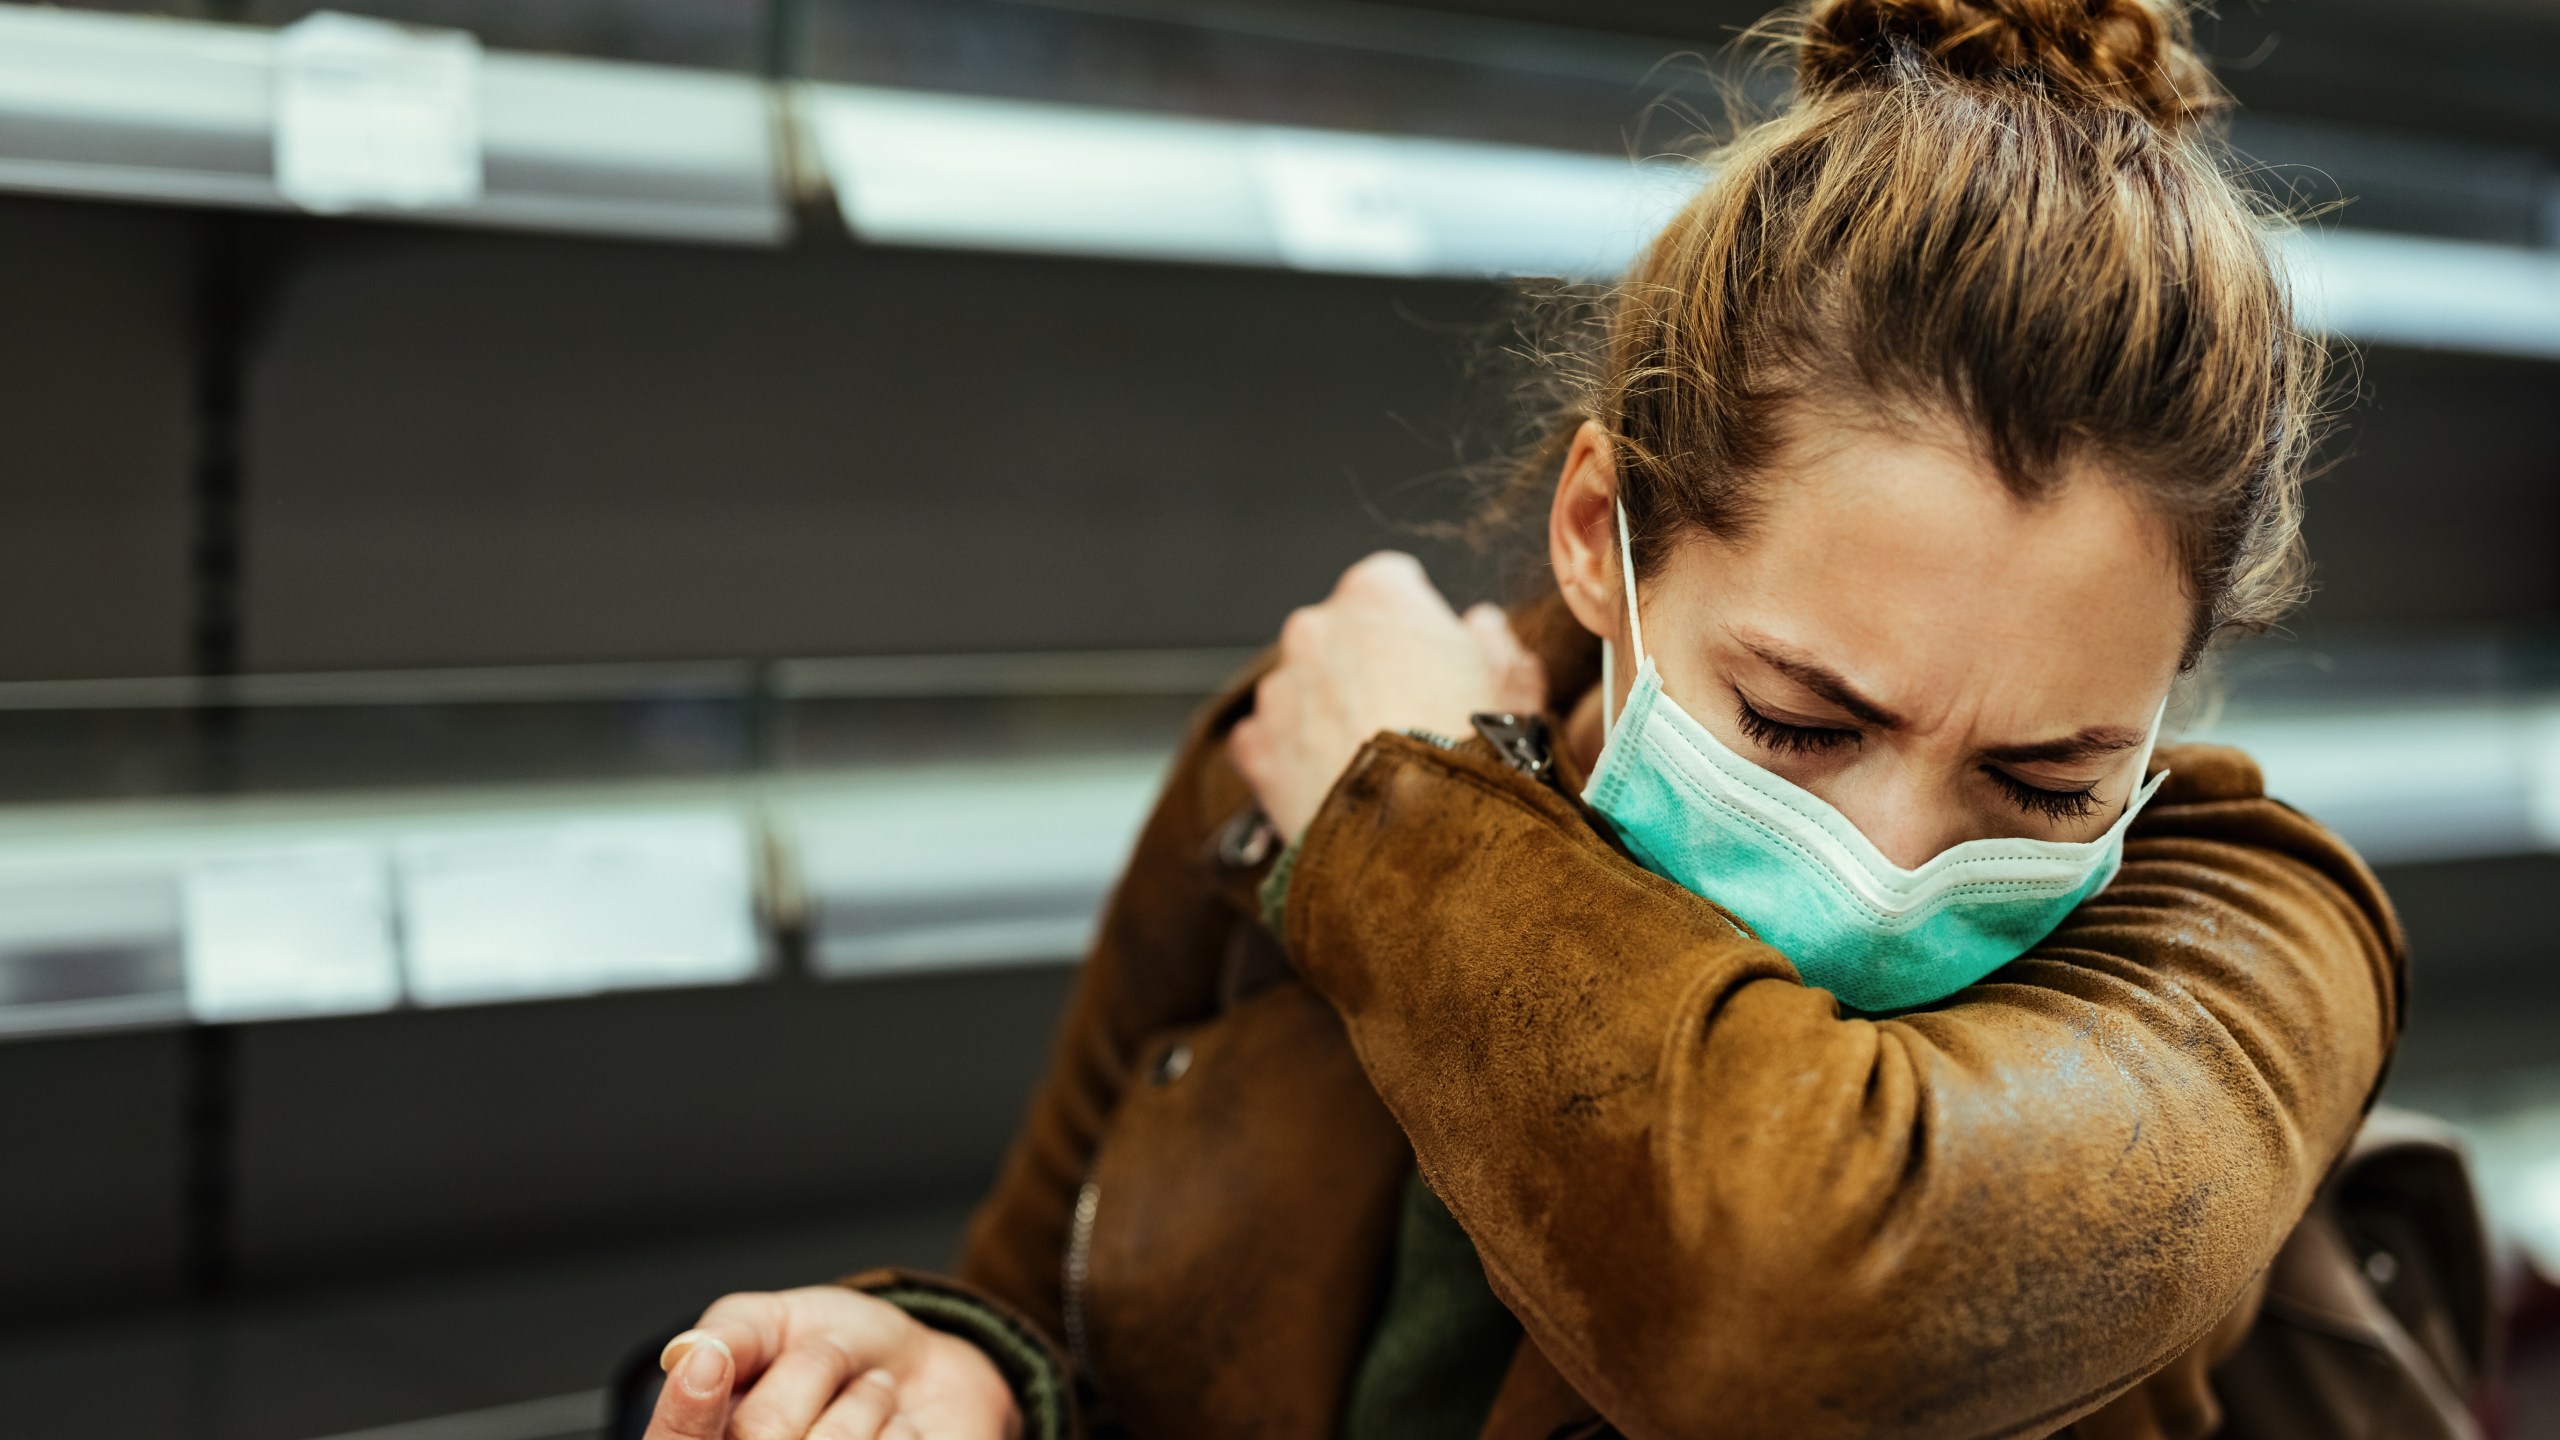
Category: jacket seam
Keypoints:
(1315, 858)
(1318, 860)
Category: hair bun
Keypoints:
(2135, 55)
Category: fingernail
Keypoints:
(706, 1370)
(881, 1378)
(677, 1347)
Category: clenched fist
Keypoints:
(1382, 652)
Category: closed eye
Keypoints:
(2037, 800)
(1785, 738)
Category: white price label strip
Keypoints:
(299, 930)
(576, 906)
(374, 114)
(1342, 202)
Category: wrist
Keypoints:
(1031, 1369)
(964, 1354)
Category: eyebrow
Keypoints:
(1822, 680)
(2088, 744)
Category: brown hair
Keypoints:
(2012, 215)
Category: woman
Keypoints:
(1834, 1020)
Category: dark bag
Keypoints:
(2380, 1314)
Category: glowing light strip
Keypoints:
(242, 909)
(126, 107)
(2439, 294)
(945, 170)
(912, 168)
(146, 108)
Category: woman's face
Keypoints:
(1903, 637)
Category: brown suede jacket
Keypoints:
(1718, 1205)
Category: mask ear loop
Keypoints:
(1608, 691)
(1627, 571)
(1635, 629)
(2151, 742)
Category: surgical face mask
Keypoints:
(1794, 869)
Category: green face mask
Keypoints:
(1878, 936)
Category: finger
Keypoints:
(1249, 750)
(1517, 676)
(752, 1325)
(1277, 701)
(858, 1413)
(793, 1392)
(694, 1404)
(1387, 572)
(1305, 632)
(900, 1428)
(1523, 687)
(1492, 631)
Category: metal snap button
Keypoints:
(1247, 840)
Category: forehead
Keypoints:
(1902, 561)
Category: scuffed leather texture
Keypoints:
(1246, 1198)
(1536, 1403)
(1722, 1207)
(2380, 1318)
(2178, 1401)
(1156, 963)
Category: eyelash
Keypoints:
(1811, 739)
(1793, 739)
(2052, 804)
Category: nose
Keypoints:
(1910, 820)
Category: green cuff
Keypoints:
(1274, 894)
(1038, 1387)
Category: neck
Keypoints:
(1583, 733)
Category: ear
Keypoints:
(1582, 535)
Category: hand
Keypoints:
(827, 1363)
(1383, 652)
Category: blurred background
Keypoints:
(591, 579)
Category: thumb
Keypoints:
(1518, 678)
(694, 1405)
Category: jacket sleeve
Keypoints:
(1028, 1358)
(1153, 965)
(1721, 1206)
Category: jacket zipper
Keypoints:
(1078, 1266)
(1523, 741)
